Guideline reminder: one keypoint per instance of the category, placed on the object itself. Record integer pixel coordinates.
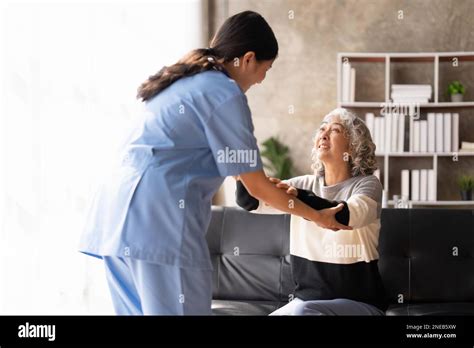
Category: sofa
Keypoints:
(426, 261)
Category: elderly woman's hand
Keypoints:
(327, 219)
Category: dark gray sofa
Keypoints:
(426, 261)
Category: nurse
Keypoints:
(149, 219)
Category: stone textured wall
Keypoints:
(304, 75)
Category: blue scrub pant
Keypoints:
(339, 306)
(143, 288)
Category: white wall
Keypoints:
(69, 72)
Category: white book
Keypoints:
(447, 132)
(401, 133)
(439, 133)
(416, 136)
(377, 173)
(388, 132)
(431, 132)
(370, 123)
(423, 136)
(410, 94)
(455, 133)
(405, 189)
(411, 87)
(394, 136)
(346, 82)
(353, 82)
(431, 185)
(466, 145)
(382, 134)
(377, 124)
(410, 100)
(415, 185)
(411, 133)
(423, 184)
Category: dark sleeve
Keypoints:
(318, 203)
(244, 199)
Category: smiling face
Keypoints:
(332, 141)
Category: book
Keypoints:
(394, 136)
(405, 182)
(423, 184)
(431, 185)
(431, 132)
(388, 132)
(346, 82)
(401, 133)
(447, 132)
(377, 173)
(382, 134)
(370, 123)
(415, 185)
(455, 133)
(352, 84)
(396, 87)
(416, 136)
(439, 133)
(423, 135)
(377, 124)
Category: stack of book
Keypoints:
(438, 133)
(420, 185)
(388, 132)
(466, 147)
(348, 83)
(406, 94)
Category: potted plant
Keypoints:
(456, 90)
(466, 184)
(277, 159)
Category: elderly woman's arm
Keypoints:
(365, 202)
(249, 203)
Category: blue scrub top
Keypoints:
(156, 206)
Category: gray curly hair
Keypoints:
(362, 160)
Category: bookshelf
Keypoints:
(430, 67)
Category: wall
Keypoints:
(304, 75)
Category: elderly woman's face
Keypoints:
(332, 143)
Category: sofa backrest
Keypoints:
(250, 255)
(426, 255)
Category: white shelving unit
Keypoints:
(387, 59)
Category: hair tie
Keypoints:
(209, 51)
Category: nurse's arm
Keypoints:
(258, 185)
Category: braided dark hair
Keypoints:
(241, 33)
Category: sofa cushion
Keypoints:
(250, 257)
(427, 255)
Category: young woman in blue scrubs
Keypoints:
(149, 219)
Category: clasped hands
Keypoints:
(326, 218)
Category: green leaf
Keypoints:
(277, 154)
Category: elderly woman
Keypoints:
(335, 266)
